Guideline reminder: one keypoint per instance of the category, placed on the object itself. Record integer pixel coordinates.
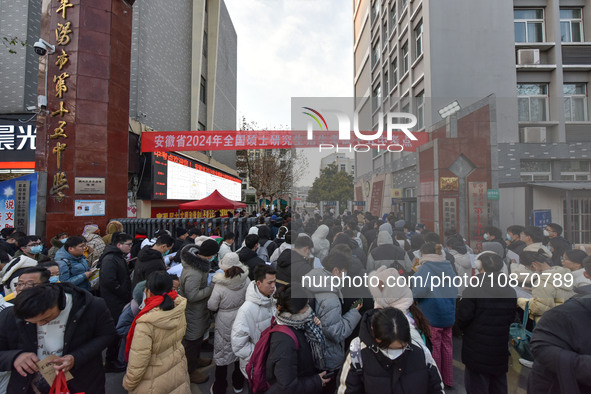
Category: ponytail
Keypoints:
(233, 271)
(420, 320)
(167, 303)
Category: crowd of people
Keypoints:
(267, 307)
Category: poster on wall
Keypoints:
(18, 203)
(376, 198)
(478, 213)
(89, 208)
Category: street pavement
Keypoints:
(517, 376)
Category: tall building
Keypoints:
(432, 58)
(343, 162)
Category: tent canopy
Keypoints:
(214, 201)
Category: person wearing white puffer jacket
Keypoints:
(228, 295)
(321, 244)
(254, 316)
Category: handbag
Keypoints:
(520, 336)
(60, 385)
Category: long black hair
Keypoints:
(160, 283)
(390, 325)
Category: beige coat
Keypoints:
(157, 362)
(553, 290)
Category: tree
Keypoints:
(271, 172)
(11, 43)
(332, 185)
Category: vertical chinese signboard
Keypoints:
(478, 213)
(18, 203)
(377, 197)
(60, 79)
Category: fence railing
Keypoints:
(239, 226)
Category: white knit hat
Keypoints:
(391, 295)
(230, 260)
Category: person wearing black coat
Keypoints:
(248, 255)
(295, 262)
(151, 258)
(562, 350)
(115, 288)
(89, 330)
(484, 314)
(398, 367)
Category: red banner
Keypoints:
(166, 141)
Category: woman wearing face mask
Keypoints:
(156, 356)
(383, 358)
(57, 243)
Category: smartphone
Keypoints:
(329, 375)
(357, 302)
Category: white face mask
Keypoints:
(477, 265)
(392, 354)
(546, 233)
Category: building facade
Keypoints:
(432, 58)
(342, 161)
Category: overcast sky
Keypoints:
(291, 48)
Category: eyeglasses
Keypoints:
(26, 285)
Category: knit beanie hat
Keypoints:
(230, 260)
(89, 229)
(180, 232)
(209, 247)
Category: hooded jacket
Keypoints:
(516, 246)
(72, 268)
(439, 303)
(368, 370)
(386, 253)
(484, 314)
(549, 293)
(148, 261)
(193, 286)
(321, 244)
(335, 325)
(97, 245)
(292, 266)
(561, 348)
(463, 265)
(251, 320)
(249, 258)
(115, 284)
(226, 298)
(56, 245)
(157, 362)
(278, 251)
(89, 330)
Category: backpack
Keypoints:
(262, 251)
(257, 365)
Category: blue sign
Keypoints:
(541, 217)
(18, 203)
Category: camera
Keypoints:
(42, 47)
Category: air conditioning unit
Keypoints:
(534, 135)
(528, 56)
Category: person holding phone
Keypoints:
(297, 368)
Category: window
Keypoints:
(352, 169)
(394, 72)
(343, 167)
(420, 103)
(575, 170)
(375, 10)
(533, 102)
(376, 53)
(385, 33)
(419, 39)
(571, 25)
(393, 16)
(201, 126)
(205, 43)
(529, 25)
(203, 91)
(575, 102)
(377, 98)
(386, 87)
(535, 170)
(405, 58)
(403, 4)
(580, 220)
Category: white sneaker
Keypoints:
(526, 363)
(236, 390)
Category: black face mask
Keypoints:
(12, 249)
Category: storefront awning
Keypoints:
(583, 185)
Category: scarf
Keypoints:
(431, 258)
(314, 335)
(139, 236)
(150, 303)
